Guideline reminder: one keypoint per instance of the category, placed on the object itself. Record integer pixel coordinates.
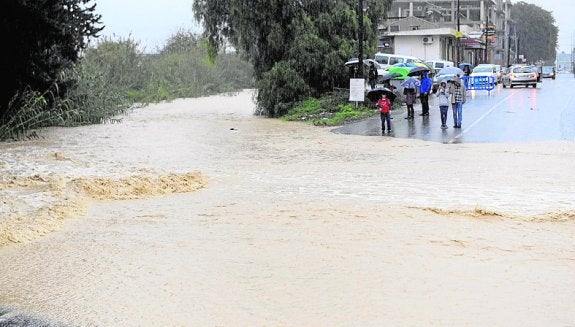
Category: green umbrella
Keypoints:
(403, 71)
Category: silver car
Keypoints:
(520, 75)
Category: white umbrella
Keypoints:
(367, 62)
(450, 71)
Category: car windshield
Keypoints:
(522, 70)
(547, 69)
(483, 70)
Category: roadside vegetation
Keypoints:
(61, 73)
(537, 31)
(297, 48)
(333, 109)
(56, 77)
(289, 51)
(113, 77)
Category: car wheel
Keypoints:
(504, 86)
(534, 85)
(511, 85)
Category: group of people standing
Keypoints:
(452, 93)
(411, 86)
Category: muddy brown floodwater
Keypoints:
(198, 213)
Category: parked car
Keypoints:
(486, 70)
(436, 65)
(498, 72)
(548, 72)
(520, 75)
(385, 59)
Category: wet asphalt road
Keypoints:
(502, 115)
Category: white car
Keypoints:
(484, 70)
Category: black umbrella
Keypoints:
(375, 94)
(418, 71)
(387, 77)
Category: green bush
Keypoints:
(114, 75)
(330, 110)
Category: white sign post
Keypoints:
(357, 89)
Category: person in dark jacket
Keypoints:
(424, 89)
(372, 75)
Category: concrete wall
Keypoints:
(413, 46)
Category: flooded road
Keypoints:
(197, 213)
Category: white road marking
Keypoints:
(479, 119)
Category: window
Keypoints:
(394, 28)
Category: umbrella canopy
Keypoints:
(387, 77)
(418, 70)
(367, 62)
(445, 78)
(466, 67)
(404, 64)
(411, 83)
(401, 70)
(450, 71)
(375, 94)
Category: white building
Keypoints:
(428, 29)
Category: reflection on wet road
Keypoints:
(505, 115)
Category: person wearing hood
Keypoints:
(424, 89)
(372, 77)
(410, 87)
(443, 96)
(457, 94)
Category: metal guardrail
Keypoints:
(486, 83)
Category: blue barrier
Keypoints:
(486, 83)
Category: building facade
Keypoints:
(473, 31)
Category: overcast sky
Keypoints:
(149, 22)
(152, 22)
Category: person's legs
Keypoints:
(459, 113)
(425, 104)
(443, 110)
(454, 108)
(388, 119)
(409, 111)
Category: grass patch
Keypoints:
(332, 109)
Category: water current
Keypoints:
(198, 213)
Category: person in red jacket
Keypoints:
(384, 106)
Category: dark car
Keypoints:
(548, 72)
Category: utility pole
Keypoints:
(360, 36)
(486, 32)
(457, 37)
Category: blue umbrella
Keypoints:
(411, 83)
